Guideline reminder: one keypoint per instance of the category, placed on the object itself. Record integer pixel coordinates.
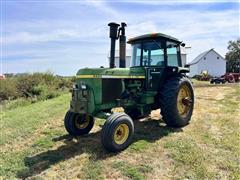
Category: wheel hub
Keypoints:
(184, 101)
(121, 134)
(82, 121)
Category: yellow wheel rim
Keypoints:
(121, 134)
(184, 101)
(79, 124)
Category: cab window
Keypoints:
(173, 52)
(152, 54)
(136, 54)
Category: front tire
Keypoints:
(78, 124)
(177, 101)
(117, 132)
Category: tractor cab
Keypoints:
(156, 50)
(158, 54)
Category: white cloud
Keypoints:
(164, 2)
(142, 27)
(52, 35)
(103, 7)
(28, 37)
(201, 31)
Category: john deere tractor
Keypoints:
(156, 79)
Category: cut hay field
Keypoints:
(35, 145)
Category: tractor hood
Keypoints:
(105, 85)
(111, 73)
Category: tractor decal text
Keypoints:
(109, 77)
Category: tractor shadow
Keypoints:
(149, 130)
(152, 130)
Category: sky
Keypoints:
(64, 36)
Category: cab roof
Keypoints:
(152, 36)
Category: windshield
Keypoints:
(148, 54)
(152, 54)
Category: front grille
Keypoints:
(79, 101)
(111, 90)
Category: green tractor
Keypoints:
(156, 79)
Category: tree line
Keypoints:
(233, 56)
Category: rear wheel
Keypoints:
(177, 101)
(117, 132)
(78, 124)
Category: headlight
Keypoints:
(83, 86)
(74, 86)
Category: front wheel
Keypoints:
(117, 132)
(177, 101)
(78, 124)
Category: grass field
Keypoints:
(34, 143)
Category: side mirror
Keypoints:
(183, 44)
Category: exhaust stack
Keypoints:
(122, 46)
(113, 34)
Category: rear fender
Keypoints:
(176, 70)
(173, 71)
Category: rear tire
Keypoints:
(117, 132)
(177, 101)
(78, 124)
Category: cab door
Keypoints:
(154, 76)
(153, 60)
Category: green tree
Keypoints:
(233, 56)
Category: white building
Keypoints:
(128, 58)
(209, 61)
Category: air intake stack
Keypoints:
(114, 34)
